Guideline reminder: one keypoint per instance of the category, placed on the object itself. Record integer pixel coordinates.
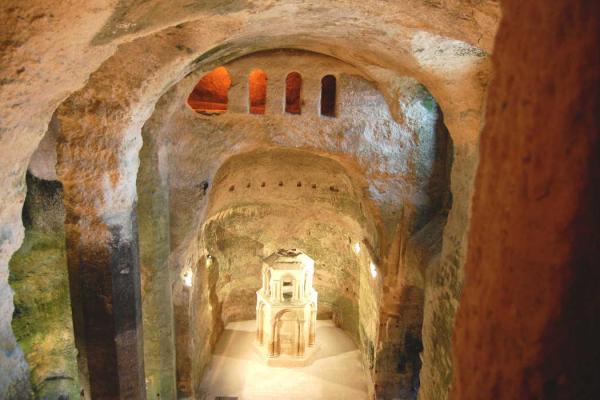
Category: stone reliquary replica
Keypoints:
(286, 309)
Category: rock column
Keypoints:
(105, 294)
(97, 165)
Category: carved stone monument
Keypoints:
(286, 309)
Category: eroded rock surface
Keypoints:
(127, 54)
(527, 325)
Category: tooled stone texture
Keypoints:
(52, 47)
(527, 325)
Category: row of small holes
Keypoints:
(299, 184)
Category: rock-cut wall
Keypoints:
(528, 324)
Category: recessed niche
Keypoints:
(293, 88)
(257, 85)
(328, 94)
(210, 93)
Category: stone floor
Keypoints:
(237, 370)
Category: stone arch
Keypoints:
(285, 328)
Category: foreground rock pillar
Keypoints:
(105, 294)
(527, 326)
(97, 165)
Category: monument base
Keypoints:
(288, 361)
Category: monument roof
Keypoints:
(289, 259)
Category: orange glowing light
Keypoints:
(257, 81)
(293, 87)
(210, 93)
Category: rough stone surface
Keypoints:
(157, 307)
(528, 325)
(139, 49)
(38, 274)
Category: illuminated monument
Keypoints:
(286, 309)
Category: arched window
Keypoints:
(257, 82)
(210, 93)
(328, 89)
(293, 88)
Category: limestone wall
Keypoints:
(139, 50)
(527, 325)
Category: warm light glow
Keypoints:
(187, 278)
(293, 88)
(357, 247)
(210, 93)
(373, 269)
(258, 91)
(209, 260)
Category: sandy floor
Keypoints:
(238, 370)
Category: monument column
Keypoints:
(301, 346)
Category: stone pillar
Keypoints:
(259, 322)
(296, 292)
(272, 340)
(237, 97)
(279, 292)
(97, 165)
(312, 327)
(275, 94)
(273, 292)
(311, 95)
(267, 283)
(301, 345)
(183, 337)
(105, 295)
(154, 235)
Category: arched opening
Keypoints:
(286, 333)
(293, 88)
(328, 95)
(288, 288)
(257, 83)
(210, 93)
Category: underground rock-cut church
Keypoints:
(257, 200)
